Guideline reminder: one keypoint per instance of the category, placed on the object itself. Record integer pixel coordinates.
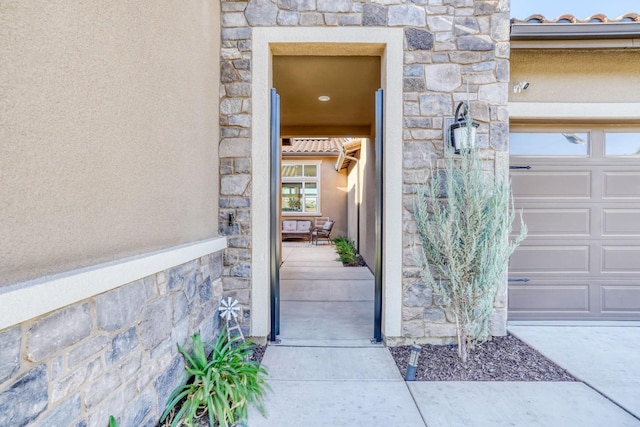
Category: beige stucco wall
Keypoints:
(333, 194)
(362, 195)
(368, 207)
(108, 130)
(576, 75)
(353, 200)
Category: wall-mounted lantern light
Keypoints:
(462, 133)
(410, 375)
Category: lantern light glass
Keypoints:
(462, 133)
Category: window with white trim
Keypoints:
(622, 144)
(301, 187)
(549, 144)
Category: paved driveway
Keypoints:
(604, 355)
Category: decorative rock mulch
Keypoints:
(258, 353)
(360, 262)
(501, 359)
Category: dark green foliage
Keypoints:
(221, 385)
(113, 422)
(345, 249)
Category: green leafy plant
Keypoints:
(113, 422)
(464, 217)
(220, 385)
(346, 250)
(295, 204)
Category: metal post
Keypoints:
(274, 249)
(379, 231)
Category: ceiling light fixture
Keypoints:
(323, 98)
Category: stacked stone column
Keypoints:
(455, 50)
(235, 153)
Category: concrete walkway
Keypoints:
(329, 386)
(322, 302)
(349, 386)
(323, 375)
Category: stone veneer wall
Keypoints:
(113, 354)
(454, 50)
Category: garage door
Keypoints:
(579, 190)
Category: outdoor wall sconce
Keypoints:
(230, 221)
(413, 363)
(462, 133)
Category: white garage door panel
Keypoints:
(619, 259)
(621, 184)
(564, 298)
(550, 259)
(555, 222)
(621, 222)
(621, 298)
(551, 184)
(582, 253)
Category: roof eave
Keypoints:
(575, 31)
(309, 154)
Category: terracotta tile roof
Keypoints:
(330, 146)
(598, 18)
(351, 148)
(536, 28)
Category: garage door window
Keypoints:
(549, 144)
(622, 144)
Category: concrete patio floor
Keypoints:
(322, 302)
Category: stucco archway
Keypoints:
(347, 41)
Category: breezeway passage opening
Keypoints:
(350, 83)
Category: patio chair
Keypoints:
(319, 221)
(324, 232)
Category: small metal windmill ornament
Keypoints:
(229, 310)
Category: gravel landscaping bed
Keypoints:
(501, 359)
(258, 353)
(359, 262)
